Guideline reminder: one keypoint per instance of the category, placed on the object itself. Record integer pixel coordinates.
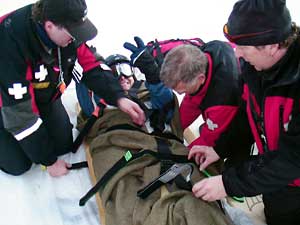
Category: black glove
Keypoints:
(142, 59)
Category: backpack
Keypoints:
(160, 48)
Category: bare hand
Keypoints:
(210, 189)
(204, 155)
(59, 168)
(133, 110)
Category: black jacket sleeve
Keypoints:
(237, 141)
(104, 84)
(148, 66)
(270, 171)
(264, 174)
(97, 76)
(18, 116)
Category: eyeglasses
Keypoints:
(123, 69)
(68, 33)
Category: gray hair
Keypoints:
(182, 63)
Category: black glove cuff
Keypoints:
(147, 65)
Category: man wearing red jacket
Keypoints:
(39, 46)
(208, 76)
(269, 45)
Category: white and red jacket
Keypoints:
(30, 77)
(272, 105)
(217, 100)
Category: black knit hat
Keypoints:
(258, 22)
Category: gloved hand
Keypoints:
(142, 59)
(136, 50)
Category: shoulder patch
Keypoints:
(211, 125)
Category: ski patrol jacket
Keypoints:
(217, 99)
(30, 78)
(272, 105)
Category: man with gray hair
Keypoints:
(208, 75)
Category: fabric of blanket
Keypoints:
(119, 195)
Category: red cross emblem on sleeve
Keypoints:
(17, 91)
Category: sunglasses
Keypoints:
(123, 69)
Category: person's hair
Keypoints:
(37, 12)
(292, 37)
(289, 40)
(182, 63)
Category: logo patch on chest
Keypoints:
(41, 74)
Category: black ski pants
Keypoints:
(13, 159)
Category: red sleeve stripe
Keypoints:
(86, 58)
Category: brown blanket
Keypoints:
(173, 206)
